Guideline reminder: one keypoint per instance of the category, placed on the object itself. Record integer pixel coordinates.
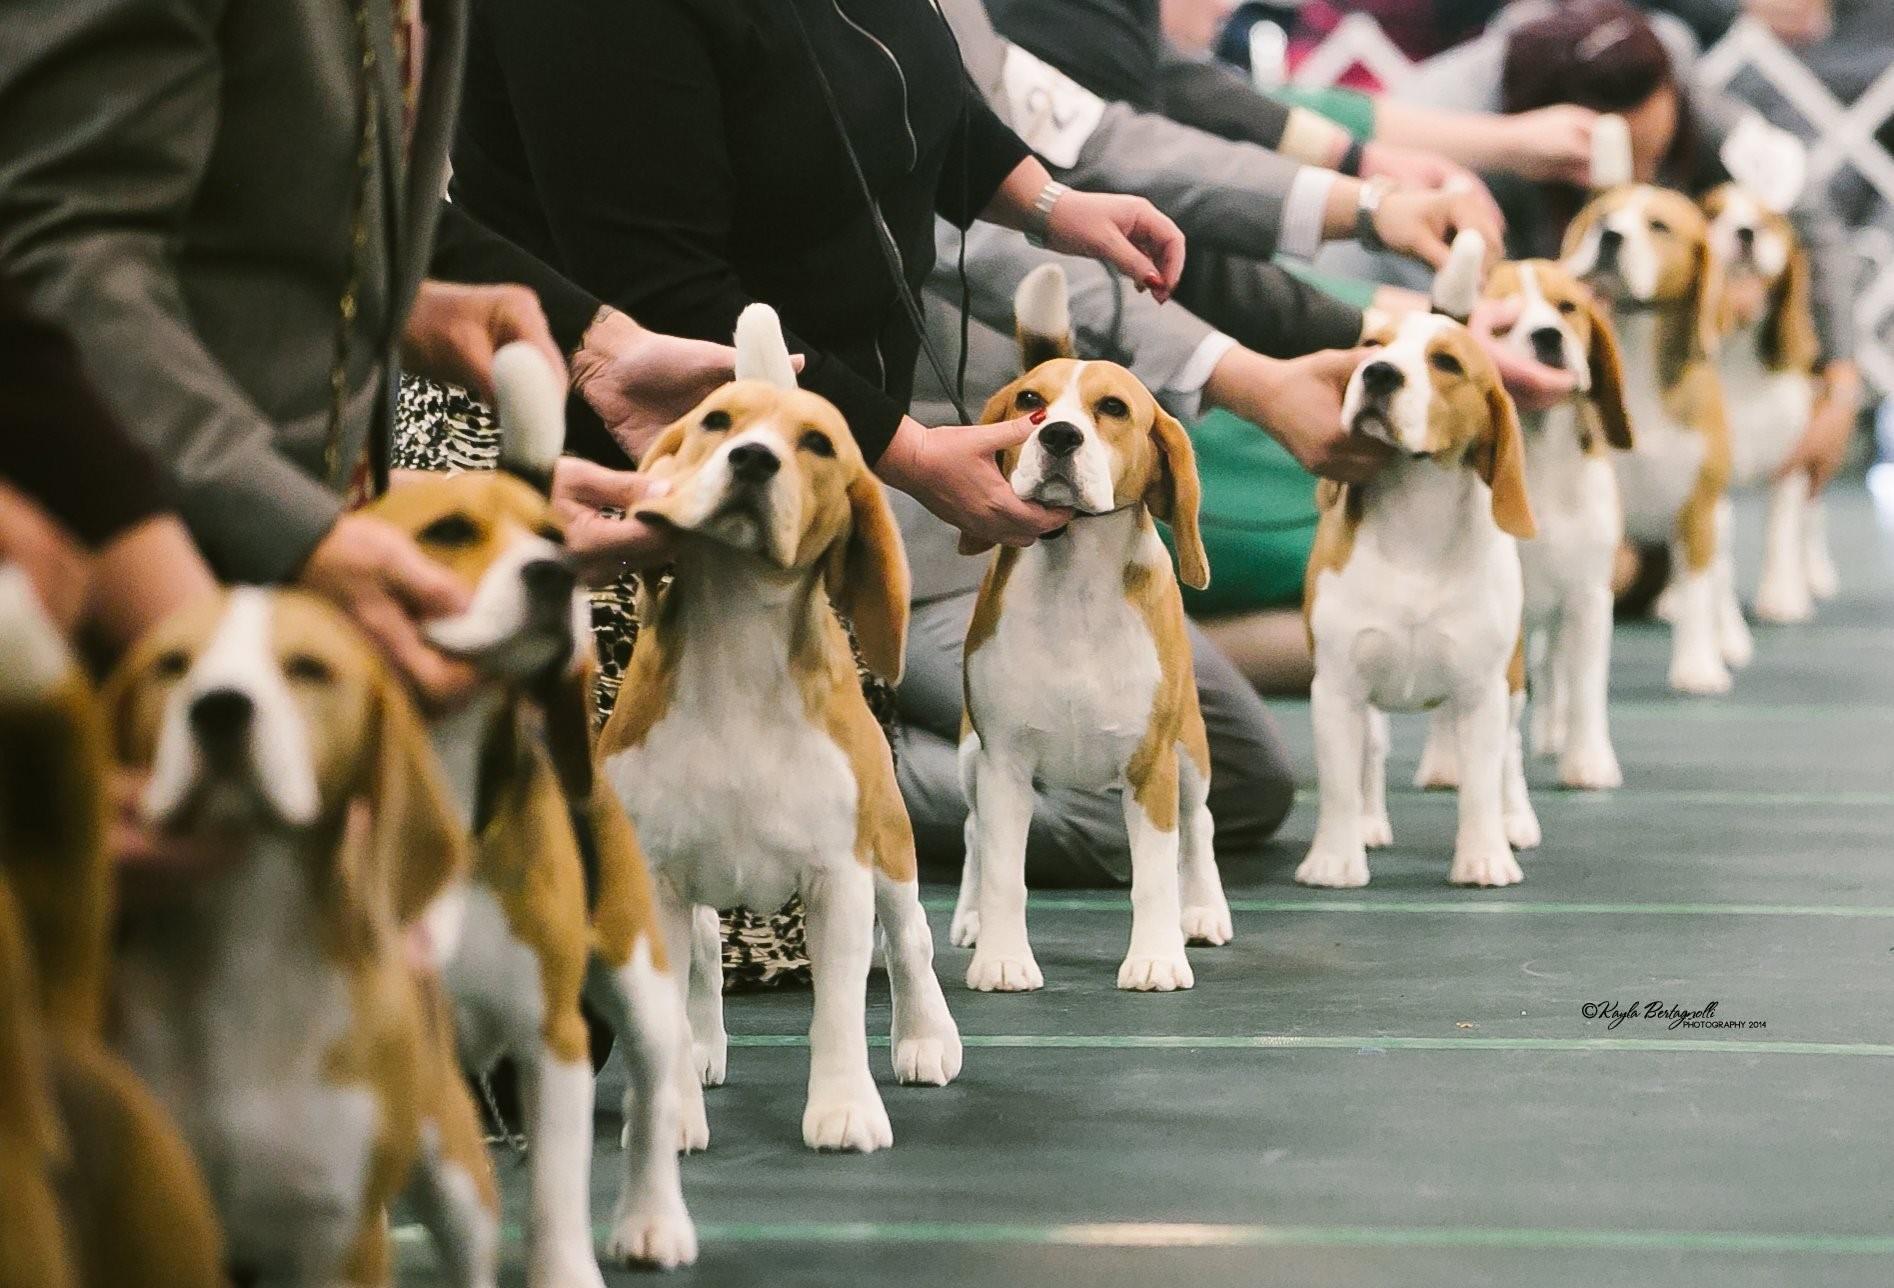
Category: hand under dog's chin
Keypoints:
(737, 525)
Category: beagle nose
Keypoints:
(548, 579)
(1746, 237)
(1380, 379)
(1060, 438)
(221, 716)
(1548, 346)
(1610, 242)
(753, 463)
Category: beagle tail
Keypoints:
(531, 405)
(1611, 164)
(1042, 317)
(1457, 284)
(762, 353)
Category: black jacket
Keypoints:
(676, 158)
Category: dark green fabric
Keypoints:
(1257, 518)
(1352, 111)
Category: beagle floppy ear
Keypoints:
(1501, 459)
(416, 842)
(1042, 317)
(1789, 342)
(1175, 495)
(531, 408)
(867, 578)
(563, 693)
(1706, 303)
(1607, 379)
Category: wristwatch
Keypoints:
(1367, 205)
(1042, 211)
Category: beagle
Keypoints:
(1646, 250)
(100, 1190)
(558, 901)
(1573, 490)
(741, 743)
(1077, 668)
(1413, 595)
(1767, 361)
(270, 1005)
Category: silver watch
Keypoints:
(1042, 211)
(1367, 206)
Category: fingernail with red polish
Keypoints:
(1155, 282)
(1038, 416)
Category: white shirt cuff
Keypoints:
(1302, 211)
(1183, 392)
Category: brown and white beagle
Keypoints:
(742, 745)
(99, 1190)
(1413, 595)
(271, 1005)
(1078, 669)
(558, 901)
(1767, 361)
(1646, 251)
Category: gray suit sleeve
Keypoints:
(1224, 194)
(110, 110)
(1211, 96)
(1831, 272)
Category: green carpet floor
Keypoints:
(1398, 1086)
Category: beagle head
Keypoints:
(771, 470)
(1430, 392)
(1101, 442)
(1764, 273)
(1640, 246)
(1561, 325)
(264, 712)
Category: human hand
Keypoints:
(1823, 446)
(1794, 22)
(1551, 144)
(151, 859)
(952, 471)
(1299, 404)
(1746, 296)
(375, 573)
(1422, 224)
(1534, 386)
(1428, 171)
(51, 558)
(606, 548)
(454, 330)
(1128, 233)
(639, 380)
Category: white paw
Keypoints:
(660, 1235)
(1522, 829)
(858, 1122)
(1377, 831)
(712, 1059)
(992, 973)
(1779, 603)
(575, 1269)
(965, 930)
(1665, 609)
(1823, 581)
(1591, 769)
(1339, 871)
(927, 1062)
(1439, 768)
(1485, 865)
(1705, 677)
(693, 1124)
(1208, 923)
(1165, 974)
(1739, 647)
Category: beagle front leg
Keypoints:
(1819, 560)
(1003, 961)
(1376, 830)
(1206, 910)
(1783, 594)
(964, 931)
(1481, 855)
(1337, 857)
(925, 1041)
(1732, 632)
(710, 1041)
(556, 1089)
(844, 1109)
(1696, 655)
(1582, 670)
(676, 918)
(1522, 821)
(1551, 698)
(1156, 961)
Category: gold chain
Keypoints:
(350, 302)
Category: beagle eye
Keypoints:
(715, 421)
(1028, 401)
(1568, 307)
(450, 530)
(547, 532)
(1113, 406)
(816, 443)
(307, 668)
(170, 664)
(1659, 226)
(1447, 364)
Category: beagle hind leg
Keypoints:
(1376, 830)
(1481, 855)
(1337, 856)
(1522, 821)
(1732, 632)
(1823, 580)
(1439, 768)
(1783, 593)
(1587, 761)
(710, 1041)
(1550, 697)
(924, 1040)
(844, 1109)
(676, 920)
(1206, 910)
(1003, 960)
(964, 931)
(1696, 658)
